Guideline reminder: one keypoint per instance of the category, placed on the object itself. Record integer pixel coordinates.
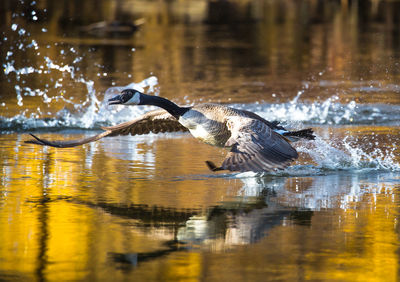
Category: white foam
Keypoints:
(327, 156)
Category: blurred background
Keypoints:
(240, 51)
(146, 207)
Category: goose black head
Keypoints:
(127, 97)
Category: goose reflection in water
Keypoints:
(260, 206)
(247, 217)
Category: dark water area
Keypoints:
(146, 208)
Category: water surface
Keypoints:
(146, 207)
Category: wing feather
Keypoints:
(154, 121)
(256, 147)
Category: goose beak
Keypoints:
(115, 100)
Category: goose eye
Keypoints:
(126, 96)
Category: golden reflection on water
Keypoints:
(80, 213)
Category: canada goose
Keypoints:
(255, 143)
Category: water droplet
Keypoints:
(77, 59)
(14, 27)
(44, 30)
(19, 97)
(35, 18)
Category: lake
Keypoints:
(146, 208)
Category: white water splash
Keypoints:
(50, 65)
(98, 112)
(328, 156)
(327, 112)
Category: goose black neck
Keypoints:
(166, 104)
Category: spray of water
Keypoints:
(90, 113)
(328, 156)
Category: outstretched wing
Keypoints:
(154, 121)
(255, 147)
